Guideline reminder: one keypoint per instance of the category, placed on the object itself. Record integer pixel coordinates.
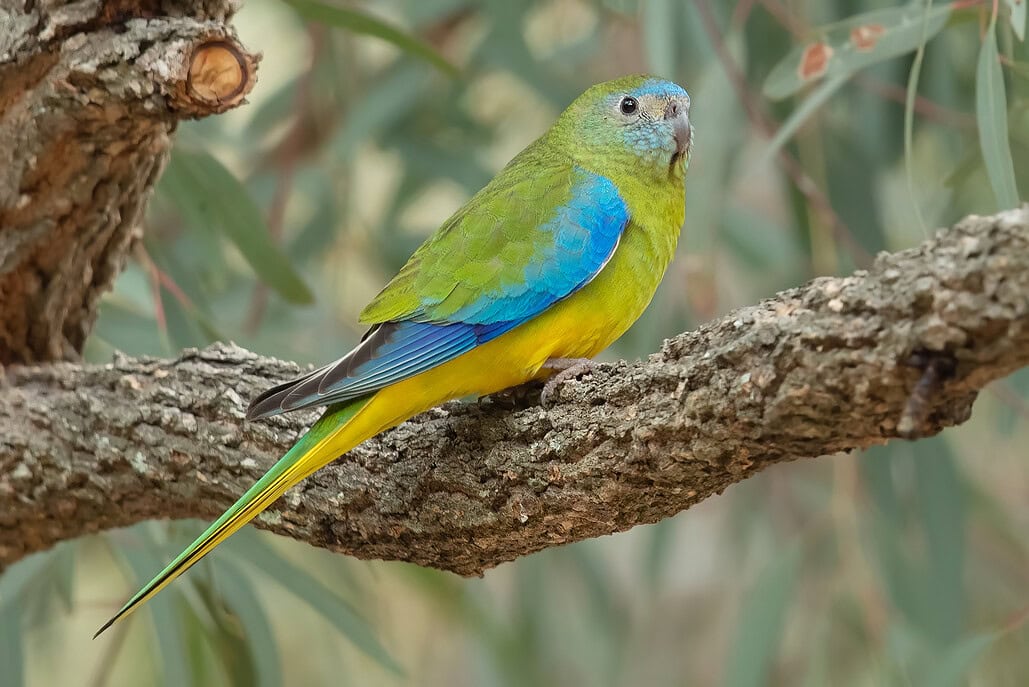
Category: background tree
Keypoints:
(819, 144)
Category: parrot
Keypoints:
(540, 271)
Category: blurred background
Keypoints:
(826, 131)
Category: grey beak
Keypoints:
(676, 111)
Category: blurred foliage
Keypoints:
(826, 132)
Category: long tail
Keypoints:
(314, 450)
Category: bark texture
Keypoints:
(839, 364)
(90, 93)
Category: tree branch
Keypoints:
(90, 93)
(836, 365)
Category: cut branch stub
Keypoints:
(90, 94)
(220, 75)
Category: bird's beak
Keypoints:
(676, 111)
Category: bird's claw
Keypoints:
(566, 368)
(514, 397)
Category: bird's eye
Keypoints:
(628, 105)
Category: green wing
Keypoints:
(537, 232)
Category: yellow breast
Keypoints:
(580, 326)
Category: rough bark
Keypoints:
(90, 93)
(836, 365)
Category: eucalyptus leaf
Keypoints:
(657, 554)
(991, 112)
(388, 101)
(761, 621)
(317, 233)
(854, 44)
(124, 328)
(64, 573)
(659, 32)
(229, 207)
(12, 649)
(50, 587)
(184, 330)
(360, 22)
(258, 640)
(164, 612)
(278, 107)
(941, 505)
(885, 522)
(1017, 15)
(18, 578)
(294, 579)
(1019, 68)
(811, 104)
(952, 667)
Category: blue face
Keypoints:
(655, 120)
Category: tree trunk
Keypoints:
(90, 94)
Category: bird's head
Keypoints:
(638, 122)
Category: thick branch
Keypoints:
(90, 93)
(836, 365)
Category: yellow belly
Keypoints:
(580, 326)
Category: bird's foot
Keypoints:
(514, 397)
(566, 368)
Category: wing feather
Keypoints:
(532, 237)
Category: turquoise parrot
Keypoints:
(549, 263)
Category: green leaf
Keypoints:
(818, 97)
(64, 573)
(1017, 15)
(886, 525)
(1016, 390)
(909, 120)
(394, 94)
(593, 576)
(758, 243)
(184, 330)
(12, 650)
(992, 116)
(359, 22)
(124, 328)
(1019, 68)
(610, 623)
(656, 555)
(951, 668)
(226, 204)
(318, 231)
(941, 507)
(249, 545)
(50, 587)
(17, 579)
(761, 622)
(276, 108)
(855, 43)
(251, 625)
(659, 32)
(164, 613)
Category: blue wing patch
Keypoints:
(392, 351)
(583, 235)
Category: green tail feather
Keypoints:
(289, 470)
